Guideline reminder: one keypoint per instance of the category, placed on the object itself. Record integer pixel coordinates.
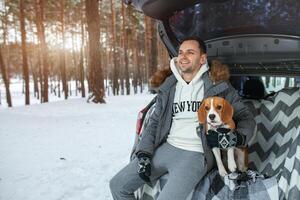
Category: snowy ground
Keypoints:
(67, 149)
(18, 97)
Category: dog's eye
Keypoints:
(206, 108)
(219, 107)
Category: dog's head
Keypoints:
(215, 111)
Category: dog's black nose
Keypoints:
(212, 116)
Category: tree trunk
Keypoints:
(152, 38)
(24, 53)
(113, 42)
(81, 66)
(136, 48)
(137, 43)
(40, 77)
(147, 44)
(35, 84)
(43, 47)
(4, 70)
(96, 75)
(163, 58)
(70, 89)
(58, 85)
(125, 44)
(75, 72)
(136, 72)
(5, 80)
(106, 64)
(33, 60)
(62, 54)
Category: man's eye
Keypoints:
(206, 108)
(219, 107)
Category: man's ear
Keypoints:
(227, 111)
(202, 113)
(203, 59)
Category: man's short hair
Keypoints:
(201, 43)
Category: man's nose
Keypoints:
(212, 116)
(183, 55)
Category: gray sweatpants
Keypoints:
(185, 169)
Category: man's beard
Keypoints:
(187, 70)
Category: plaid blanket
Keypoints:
(238, 186)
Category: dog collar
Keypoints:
(216, 127)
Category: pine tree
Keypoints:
(95, 71)
(24, 53)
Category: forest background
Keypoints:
(91, 48)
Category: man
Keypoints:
(170, 143)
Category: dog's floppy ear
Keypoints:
(202, 113)
(227, 111)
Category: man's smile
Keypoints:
(184, 62)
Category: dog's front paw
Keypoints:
(232, 166)
(222, 172)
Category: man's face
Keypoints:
(190, 57)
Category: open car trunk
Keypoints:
(254, 38)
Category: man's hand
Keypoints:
(144, 163)
(224, 138)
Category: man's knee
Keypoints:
(115, 185)
(125, 182)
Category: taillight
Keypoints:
(139, 122)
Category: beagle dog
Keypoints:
(216, 112)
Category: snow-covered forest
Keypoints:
(87, 48)
(54, 57)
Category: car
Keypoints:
(260, 43)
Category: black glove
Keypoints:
(223, 138)
(144, 162)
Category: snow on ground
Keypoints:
(18, 97)
(66, 150)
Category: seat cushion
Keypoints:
(275, 149)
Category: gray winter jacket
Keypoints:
(160, 121)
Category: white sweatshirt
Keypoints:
(187, 100)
